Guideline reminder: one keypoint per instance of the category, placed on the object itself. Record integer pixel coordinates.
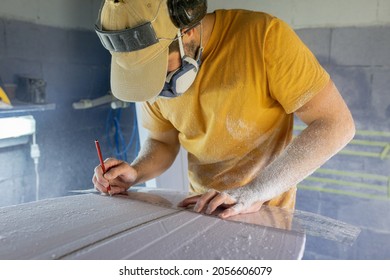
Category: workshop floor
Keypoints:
(371, 216)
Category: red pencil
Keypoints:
(101, 162)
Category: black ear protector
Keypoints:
(183, 13)
(187, 13)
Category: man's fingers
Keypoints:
(117, 190)
(218, 200)
(204, 199)
(232, 211)
(98, 186)
(240, 208)
(213, 199)
(200, 201)
(121, 169)
(110, 162)
(98, 176)
(189, 201)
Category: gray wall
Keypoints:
(335, 13)
(73, 14)
(75, 66)
(354, 186)
(316, 13)
(358, 60)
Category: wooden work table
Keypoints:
(144, 224)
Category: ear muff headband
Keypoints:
(187, 13)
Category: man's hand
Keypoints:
(236, 201)
(119, 176)
(157, 155)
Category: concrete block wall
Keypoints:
(357, 59)
(316, 13)
(75, 66)
(298, 13)
(74, 14)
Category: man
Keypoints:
(233, 114)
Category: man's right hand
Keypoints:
(119, 176)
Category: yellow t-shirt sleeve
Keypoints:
(152, 118)
(293, 73)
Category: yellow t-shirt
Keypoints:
(237, 116)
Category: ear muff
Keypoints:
(187, 13)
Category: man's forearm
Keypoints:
(154, 158)
(307, 152)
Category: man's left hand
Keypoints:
(236, 201)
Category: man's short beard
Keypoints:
(190, 49)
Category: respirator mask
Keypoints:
(179, 81)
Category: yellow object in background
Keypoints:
(4, 97)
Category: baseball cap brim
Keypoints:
(138, 82)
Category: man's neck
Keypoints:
(208, 26)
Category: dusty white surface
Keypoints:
(91, 226)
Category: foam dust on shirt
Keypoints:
(238, 129)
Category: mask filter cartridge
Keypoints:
(179, 81)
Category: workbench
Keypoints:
(142, 224)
